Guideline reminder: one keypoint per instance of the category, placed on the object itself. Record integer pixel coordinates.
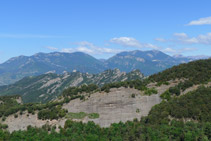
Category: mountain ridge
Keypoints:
(45, 87)
(148, 62)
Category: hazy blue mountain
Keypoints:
(19, 67)
(46, 87)
(149, 62)
(190, 58)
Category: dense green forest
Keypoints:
(197, 72)
(165, 121)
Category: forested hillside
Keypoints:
(179, 117)
(184, 118)
(46, 87)
(197, 72)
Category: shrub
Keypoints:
(175, 90)
(3, 126)
(93, 115)
(15, 115)
(166, 95)
(133, 95)
(150, 91)
(80, 115)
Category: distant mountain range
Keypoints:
(148, 62)
(48, 86)
(16, 68)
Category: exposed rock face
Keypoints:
(22, 121)
(116, 106)
(113, 107)
(46, 87)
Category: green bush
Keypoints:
(166, 95)
(133, 95)
(3, 126)
(16, 116)
(52, 113)
(175, 90)
(150, 91)
(93, 115)
(80, 115)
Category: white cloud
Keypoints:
(127, 41)
(181, 35)
(201, 21)
(200, 39)
(169, 50)
(132, 42)
(185, 39)
(160, 39)
(51, 48)
(90, 48)
(177, 51)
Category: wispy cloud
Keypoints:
(201, 21)
(30, 36)
(185, 39)
(90, 48)
(178, 51)
(132, 42)
(51, 48)
(160, 39)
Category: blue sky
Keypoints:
(103, 28)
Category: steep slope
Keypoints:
(19, 67)
(183, 117)
(196, 71)
(46, 87)
(149, 62)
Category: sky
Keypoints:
(103, 28)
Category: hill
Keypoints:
(148, 62)
(179, 117)
(186, 117)
(47, 87)
(57, 62)
(196, 71)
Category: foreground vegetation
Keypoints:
(196, 72)
(184, 118)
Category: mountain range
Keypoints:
(148, 62)
(48, 86)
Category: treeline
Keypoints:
(193, 105)
(50, 110)
(9, 105)
(197, 72)
(164, 122)
(137, 84)
(176, 90)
